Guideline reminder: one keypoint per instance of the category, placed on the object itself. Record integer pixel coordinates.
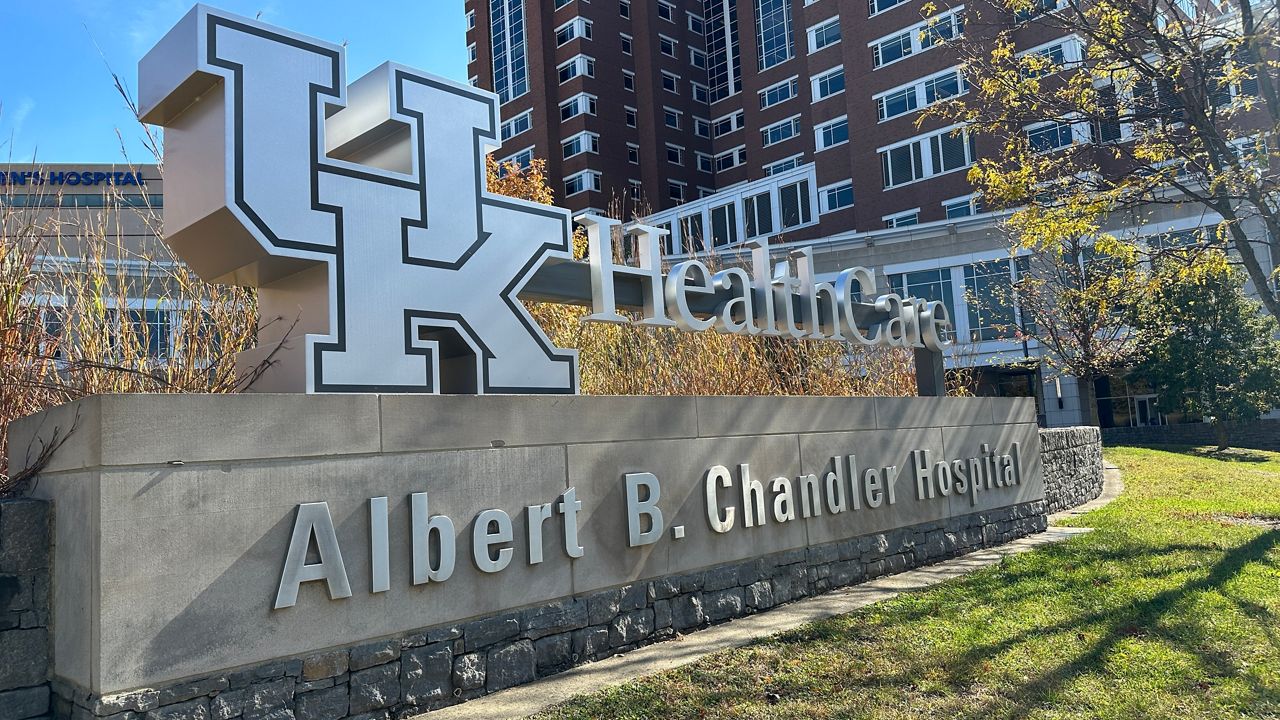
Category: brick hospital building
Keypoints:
(797, 122)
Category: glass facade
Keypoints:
(510, 63)
(724, 64)
(773, 32)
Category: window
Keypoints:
(666, 11)
(675, 154)
(628, 80)
(629, 113)
(782, 166)
(1050, 136)
(704, 163)
(635, 190)
(580, 66)
(931, 285)
(911, 217)
(671, 117)
(691, 233)
(758, 210)
(517, 125)
(669, 244)
(584, 142)
(824, 34)
(510, 64)
(572, 30)
(728, 123)
(773, 32)
(724, 225)
(1039, 7)
(1107, 128)
(988, 293)
(633, 153)
(780, 131)
(581, 182)
(1051, 57)
(724, 62)
(700, 93)
(828, 83)
(697, 58)
(920, 93)
(626, 44)
(471, 19)
(471, 53)
(696, 25)
(917, 38)
(793, 200)
(562, 3)
(579, 104)
(879, 6)
(893, 49)
(922, 157)
(835, 197)
(624, 8)
(832, 133)
(675, 189)
(670, 82)
(962, 206)
(524, 159)
(781, 92)
(731, 158)
(667, 46)
(702, 127)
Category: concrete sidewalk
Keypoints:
(528, 699)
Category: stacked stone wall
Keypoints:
(1072, 462)
(24, 609)
(1256, 435)
(405, 675)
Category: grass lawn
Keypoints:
(1169, 609)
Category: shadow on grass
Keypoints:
(1144, 616)
(1231, 454)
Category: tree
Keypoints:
(1145, 104)
(1216, 354)
(1076, 301)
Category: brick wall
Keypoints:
(24, 609)
(1257, 435)
(1072, 462)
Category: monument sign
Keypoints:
(432, 519)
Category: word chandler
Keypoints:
(774, 299)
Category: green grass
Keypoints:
(1166, 610)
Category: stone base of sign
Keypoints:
(24, 609)
(1072, 466)
(434, 667)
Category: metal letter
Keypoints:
(603, 269)
(638, 509)
(569, 507)
(535, 516)
(379, 545)
(718, 475)
(422, 526)
(313, 519)
(482, 540)
(677, 291)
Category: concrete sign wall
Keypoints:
(201, 533)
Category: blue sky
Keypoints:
(57, 101)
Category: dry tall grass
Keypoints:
(92, 301)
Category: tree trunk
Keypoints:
(1088, 400)
(1220, 429)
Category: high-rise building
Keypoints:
(742, 107)
(801, 123)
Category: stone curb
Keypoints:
(528, 699)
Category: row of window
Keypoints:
(987, 295)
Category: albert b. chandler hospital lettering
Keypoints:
(843, 488)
